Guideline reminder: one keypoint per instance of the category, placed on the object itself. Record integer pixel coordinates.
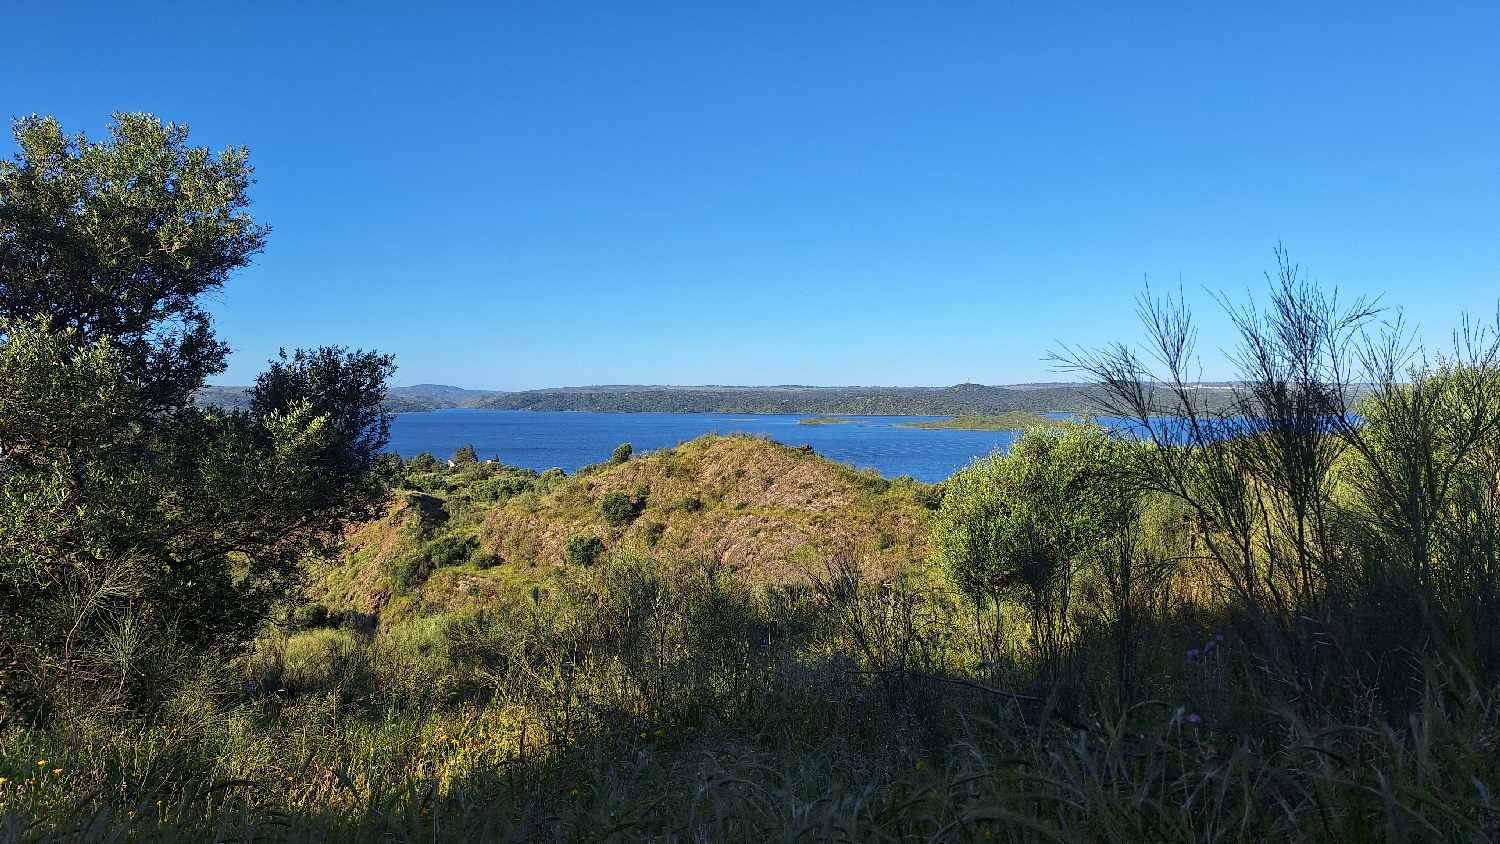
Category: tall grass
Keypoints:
(653, 701)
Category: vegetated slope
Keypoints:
(423, 397)
(757, 510)
(752, 504)
(418, 398)
(222, 397)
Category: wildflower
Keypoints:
(2, 780)
(57, 770)
(1192, 655)
(42, 762)
(1195, 718)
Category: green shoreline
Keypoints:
(1017, 420)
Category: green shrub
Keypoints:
(550, 480)
(310, 616)
(423, 462)
(412, 570)
(652, 533)
(501, 488)
(464, 457)
(449, 551)
(622, 453)
(621, 508)
(583, 550)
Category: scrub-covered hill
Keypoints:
(460, 537)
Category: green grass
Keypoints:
(646, 700)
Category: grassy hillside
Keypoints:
(760, 511)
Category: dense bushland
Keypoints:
(1265, 613)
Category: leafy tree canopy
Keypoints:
(1017, 525)
(423, 462)
(464, 457)
(138, 531)
(120, 239)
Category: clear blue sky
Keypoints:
(901, 193)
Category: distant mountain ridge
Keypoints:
(854, 401)
(958, 400)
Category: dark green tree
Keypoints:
(622, 453)
(621, 508)
(345, 387)
(120, 240)
(464, 457)
(1018, 526)
(583, 550)
(139, 533)
(423, 462)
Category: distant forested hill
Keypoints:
(414, 399)
(959, 400)
(223, 397)
(873, 401)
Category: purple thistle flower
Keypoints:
(1192, 655)
(1219, 638)
(1195, 718)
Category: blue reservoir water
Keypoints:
(537, 440)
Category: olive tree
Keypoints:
(140, 533)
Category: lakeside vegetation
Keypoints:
(825, 420)
(1017, 420)
(1270, 617)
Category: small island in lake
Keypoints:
(824, 420)
(1016, 420)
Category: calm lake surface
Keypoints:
(540, 441)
